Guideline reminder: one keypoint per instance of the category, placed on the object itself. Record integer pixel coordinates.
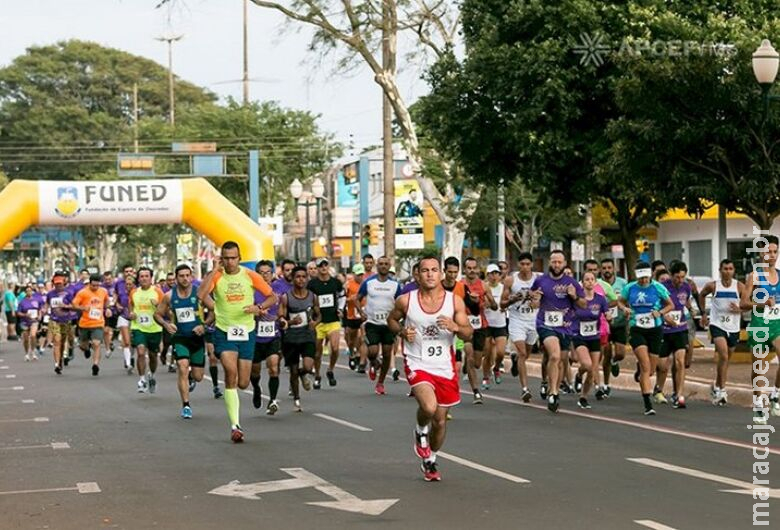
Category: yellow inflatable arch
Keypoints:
(26, 203)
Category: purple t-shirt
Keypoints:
(679, 296)
(555, 301)
(28, 304)
(57, 298)
(279, 287)
(587, 321)
(409, 287)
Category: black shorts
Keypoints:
(732, 339)
(293, 351)
(376, 334)
(111, 321)
(478, 339)
(593, 345)
(563, 338)
(352, 323)
(263, 350)
(10, 318)
(673, 342)
(494, 333)
(653, 338)
(617, 334)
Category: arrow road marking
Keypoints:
(742, 487)
(303, 479)
(652, 524)
(81, 487)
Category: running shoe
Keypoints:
(141, 386)
(477, 398)
(396, 375)
(614, 368)
(759, 418)
(526, 395)
(566, 388)
(659, 398)
(87, 353)
(774, 407)
(514, 370)
(27, 358)
(553, 403)
(649, 411)
(379, 389)
(430, 471)
(257, 397)
(217, 392)
(95, 369)
(297, 405)
(723, 398)
(129, 369)
(66, 360)
(714, 394)
(600, 395)
(361, 369)
(171, 368)
(497, 376)
(543, 390)
(331, 378)
(152, 385)
(607, 391)
(58, 369)
(583, 403)
(192, 384)
(236, 434)
(681, 402)
(317, 383)
(352, 363)
(186, 413)
(578, 383)
(372, 372)
(422, 446)
(306, 382)
(273, 408)
(485, 383)
(109, 351)
(449, 416)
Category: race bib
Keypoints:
(475, 321)
(676, 317)
(553, 319)
(772, 313)
(525, 309)
(613, 312)
(32, 314)
(304, 319)
(144, 320)
(56, 302)
(326, 300)
(95, 313)
(726, 319)
(589, 329)
(237, 334)
(46, 319)
(380, 316)
(185, 315)
(266, 329)
(645, 320)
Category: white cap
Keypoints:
(493, 268)
(643, 273)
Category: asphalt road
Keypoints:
(507, 465)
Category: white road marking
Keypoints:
(484, 469)
(742, 487)
(10, 376)
(4, 367)
(23, 402)
(28, 401)
(652, 524)
(11, 388)
(342, 422)
(35, 420)
(303, 479)
(81, 487)
(53, 445)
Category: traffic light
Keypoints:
(374, 234)
(642, 246)
(365, 235)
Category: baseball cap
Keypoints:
(493, 268)
(321, 262)
(358, 268)
(643, 269)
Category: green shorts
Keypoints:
(764, 333)
(150, 340)
(191, 348)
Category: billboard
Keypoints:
(409, 222)
(348, 186)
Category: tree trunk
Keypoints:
(106, 249)
(628, 240)
(453, 241)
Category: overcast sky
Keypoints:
(211, 52)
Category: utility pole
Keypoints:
(389, 30)
(501, 228)
(170, 39)
(135, 117)
(245, 79)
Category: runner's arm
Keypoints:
(398, 313)
(708, 288)
(491, 301)
(465, 331)
(162, 309)
(506, 296)
(746, 302)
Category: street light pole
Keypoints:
(765, 62)
(170, 39)
(245, 79)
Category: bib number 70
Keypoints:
(435, 351)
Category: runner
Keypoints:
(111, 322)
(762, 296)
(146, 333)
(233, 288)
(615, 351)
(9, 305)
(723, 322)
(213, 361)
(353, 321)
(516, 299)
(586, 331)
(451, 283)
(28, 312)
(497, 332)
(368, 265)
(268, 343)
(166, 351)
(311, 268)
(432, 318)
(56, 302)
(331, 301)
(479, 298)
(675, 336)
(93, 303)
(645, 302)
(556, 294)
(379, 292)
(299, 316)
(181, 314)
(122, 289)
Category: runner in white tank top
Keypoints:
(724, 323)
(432, 318)
(497, 332)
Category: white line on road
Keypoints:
(3, 367)
(53, 445)
(11, 388)
(484, 469)
(28, 401)
(342, 422)
(24, 402)
(35, 420)
(81, 487)
(652, 524)
(10, 376)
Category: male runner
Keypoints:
(723, 322)
(122, 288)
(432, 318)
(146, 333)
(618, 330)
(479, 298)
(233, 288)
(187, 329)
(331, 301)
(380, 292)
(497, 332)
(516, 298)
(268, 342)
(93, 302)
(368, 265)
(353, 321)
(56, 301)
(675, 335)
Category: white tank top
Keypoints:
(721, 316)
(433, 348)
(522, 311)
(496, 318)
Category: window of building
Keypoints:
(700, 258)
(671, 251)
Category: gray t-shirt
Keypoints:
(301, 307)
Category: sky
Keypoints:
(210, 53)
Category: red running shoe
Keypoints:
(372, 372)
(430, 471)
(421, 447)
(237, 435)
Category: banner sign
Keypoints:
(409, 225)
(106, 202)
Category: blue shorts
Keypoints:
(563, 338)
(245, 348)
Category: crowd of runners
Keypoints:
(447, 323)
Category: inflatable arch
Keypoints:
(26, 203)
